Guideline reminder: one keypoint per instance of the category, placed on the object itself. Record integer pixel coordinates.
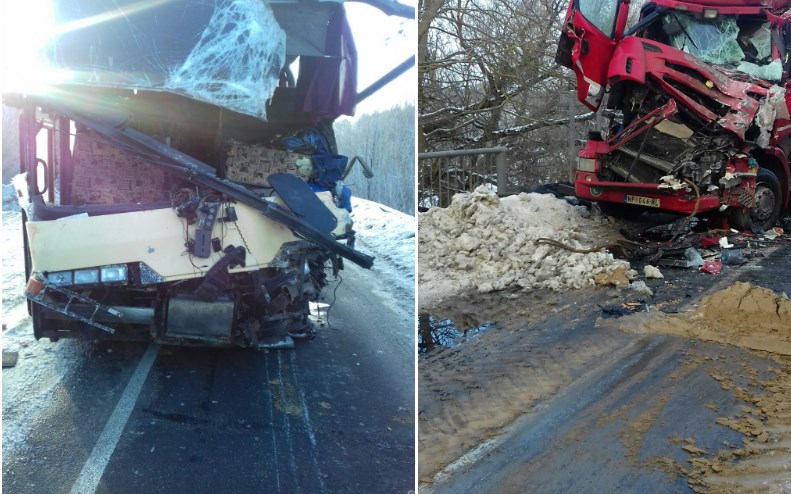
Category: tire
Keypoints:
(621, 211)
(768, 204)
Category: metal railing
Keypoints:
(442, 174)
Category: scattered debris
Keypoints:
(652, 272)
(641, 288)
(711, 267)
(619, 277)
(9, 359)
(724, 243)
(692, 258)
(733, 257)
(623, 309)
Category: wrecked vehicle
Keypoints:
(179, 183)
(695, 117)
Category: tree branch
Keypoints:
(540, 124)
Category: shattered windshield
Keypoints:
(746, 48)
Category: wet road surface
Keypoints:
(622, 423)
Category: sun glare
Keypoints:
(26, 27)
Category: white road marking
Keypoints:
(94, 467)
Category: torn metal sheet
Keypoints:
(772, 107)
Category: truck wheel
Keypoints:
(768, 202)
(621, 211)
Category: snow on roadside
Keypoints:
(484, 243)
(389, 235)
(42, 365)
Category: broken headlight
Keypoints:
(586, 164)
(86, 277)
(114, 274)
(60, 278)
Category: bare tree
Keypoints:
(488, 77)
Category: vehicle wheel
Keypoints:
(768, 202)
(621, 211)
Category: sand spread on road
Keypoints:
(754, 318)
(742, 315)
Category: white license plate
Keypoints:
(643, 201)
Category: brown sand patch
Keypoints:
(742, 315)
(754, 318)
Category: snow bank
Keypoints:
(387, 233)
(486, 243)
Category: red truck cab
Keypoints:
(693, 110)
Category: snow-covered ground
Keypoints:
(484, 243)
(389, 235)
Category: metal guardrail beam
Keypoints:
(461, 152)
(500, 163)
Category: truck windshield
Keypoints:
(600, 13)
(745, 46)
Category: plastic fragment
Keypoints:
(707, 242)
(694, 257)
(711, 267)
(733, 257)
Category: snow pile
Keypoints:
(486, 243)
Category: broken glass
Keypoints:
(713, 41)
(227, 53)
(769, 72)
(761, 40)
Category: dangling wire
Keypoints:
(334, 298)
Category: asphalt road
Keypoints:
(334, 415)
(623, 416)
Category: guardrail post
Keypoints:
(502, 172)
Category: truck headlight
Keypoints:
(114, 274)
(586, 164)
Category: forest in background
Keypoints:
(385, 140)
